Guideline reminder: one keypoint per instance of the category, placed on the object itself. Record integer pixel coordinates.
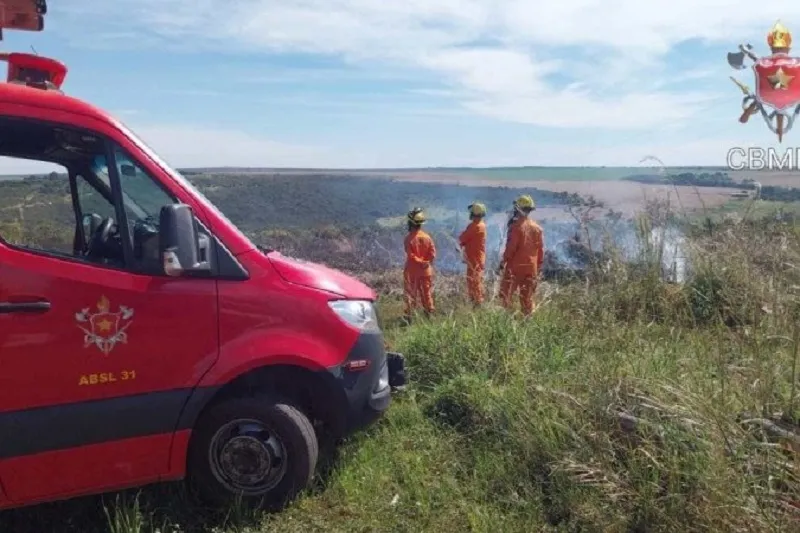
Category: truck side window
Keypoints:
(36, 213)
(41, 210)
(143, 198)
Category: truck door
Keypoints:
(98, 351)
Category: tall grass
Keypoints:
(627, 403)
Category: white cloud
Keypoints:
(189, 146)
(508, 85)
(319, 75)
(192, 146)
(605, 44)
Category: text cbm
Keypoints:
(755, 158)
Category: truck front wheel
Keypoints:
(259, 449)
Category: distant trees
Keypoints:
(770, 193)
(702, 179)
(780, 194)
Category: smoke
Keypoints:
(570, 248)
(367, 225)
(570, 245)
(665, 245)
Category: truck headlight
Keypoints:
(358, 313)
(383, 378)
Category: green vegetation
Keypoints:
(788, 212)
(625, 404)
(771, 193)
(780, 194)
(704, 179)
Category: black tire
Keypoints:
(215, 461)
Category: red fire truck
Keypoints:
(163, 345)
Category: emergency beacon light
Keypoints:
(34, 71)
(25, 15)
(29, 69)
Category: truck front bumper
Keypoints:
(368, 377)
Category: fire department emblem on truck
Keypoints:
(104, 328)
(777, 80)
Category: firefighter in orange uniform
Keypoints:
(473, 247)
(523, 256)
(418, 272)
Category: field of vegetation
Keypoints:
(773, 193)
(627, 403)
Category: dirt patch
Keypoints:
(629, 197)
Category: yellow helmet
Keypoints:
(416, 216)
(525, 202)
(477, 209)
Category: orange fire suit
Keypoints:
(418, 272)
(473, 241)
(522, 261)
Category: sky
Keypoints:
(414, 83)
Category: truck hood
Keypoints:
(319, 277)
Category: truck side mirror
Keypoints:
(181, 248)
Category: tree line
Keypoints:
(773, 193)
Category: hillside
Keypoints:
(625, 404)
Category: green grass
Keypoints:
(756, 209)
(610, 410)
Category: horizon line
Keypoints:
(526, 167)
(432, 168)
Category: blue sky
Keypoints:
(371, 83)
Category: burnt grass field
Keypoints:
(627, 403)
(348, 222)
